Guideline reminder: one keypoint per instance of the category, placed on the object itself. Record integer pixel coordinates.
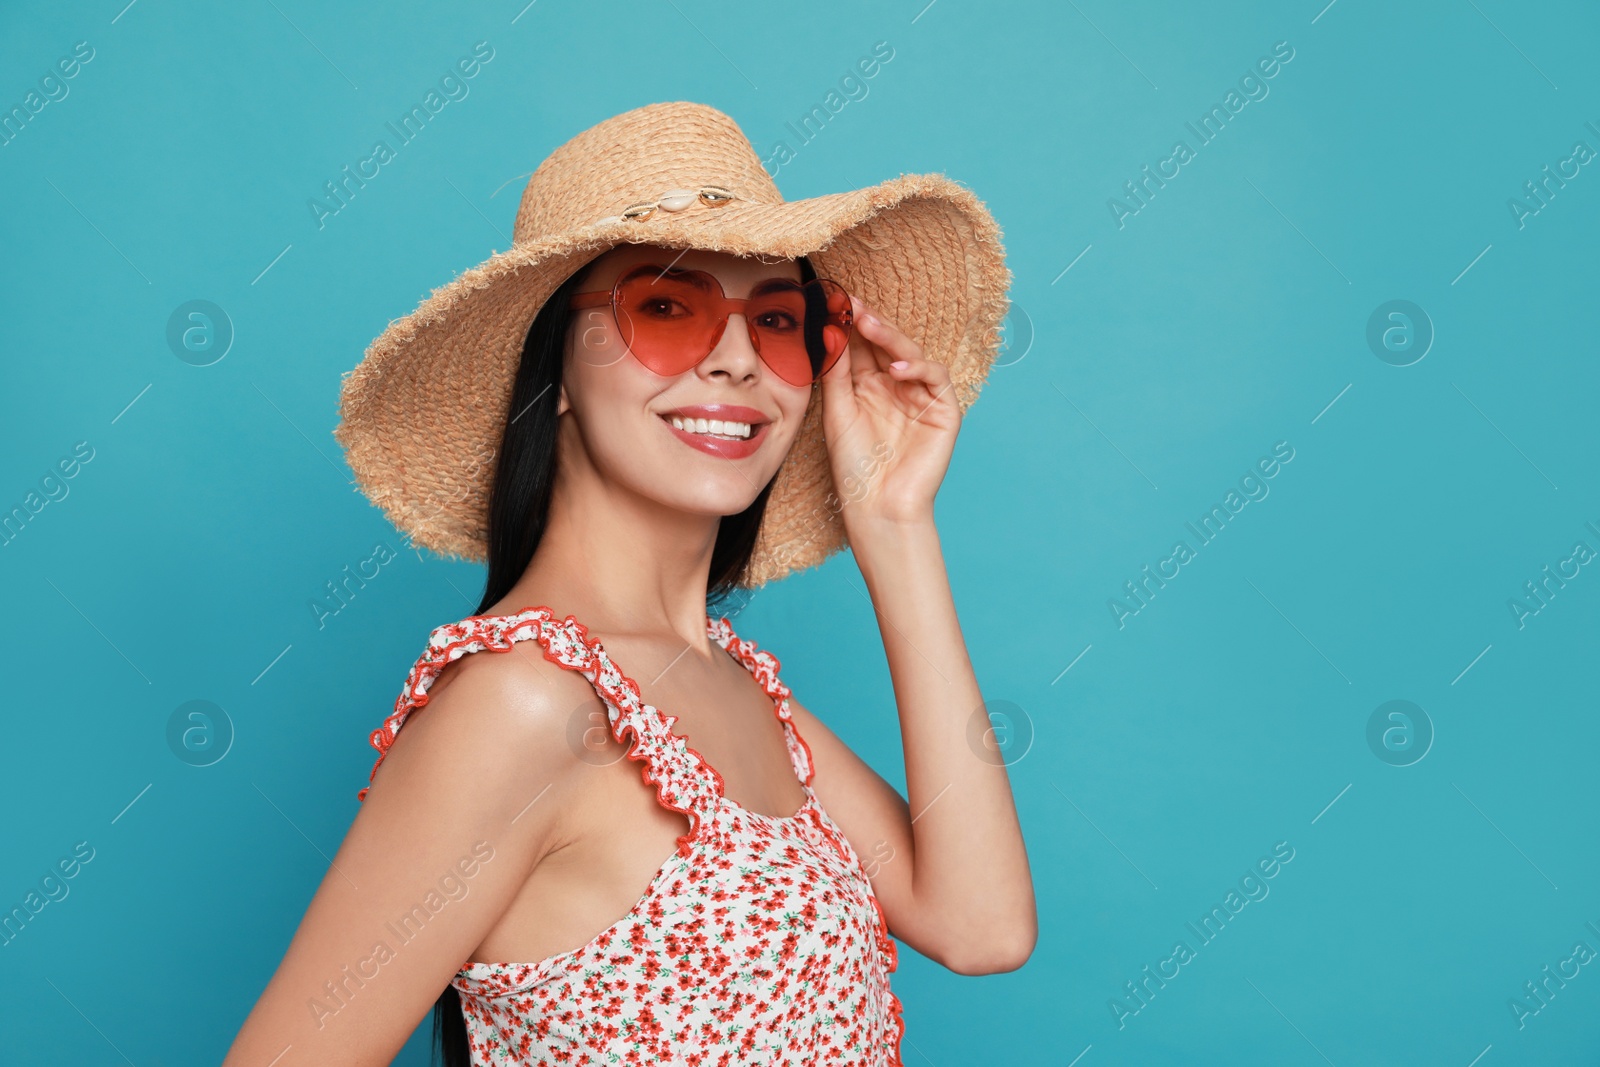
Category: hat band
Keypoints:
(673, 200)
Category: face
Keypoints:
(618, 415)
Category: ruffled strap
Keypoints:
(446, 644)
(684, 781)
(764, 667)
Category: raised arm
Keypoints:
(439, 848)
(949, 866)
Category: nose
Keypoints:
(733, 350)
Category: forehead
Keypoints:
(734, 272)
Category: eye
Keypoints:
(663, 307)
(776, 320)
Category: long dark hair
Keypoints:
(519, 509)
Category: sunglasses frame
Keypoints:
(722, 306)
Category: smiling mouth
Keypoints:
(720, 429)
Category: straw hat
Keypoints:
(423, 413)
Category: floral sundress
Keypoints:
(759, 940)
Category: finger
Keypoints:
(838, 394)
(883, 333)
(925, 381)
(929, 372)
(867, 311)
(862, 356)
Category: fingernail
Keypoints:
(870, 319)
(900, 364)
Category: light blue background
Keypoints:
(1229, 314)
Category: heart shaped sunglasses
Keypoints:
(671, 319)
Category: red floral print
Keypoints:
(759, 940)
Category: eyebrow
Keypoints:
(701, 280)
(695, 278)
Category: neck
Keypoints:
(620, 563)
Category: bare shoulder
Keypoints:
(492, 719)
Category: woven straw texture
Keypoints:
(421, 417)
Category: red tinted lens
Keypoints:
(666, 319)
(800, 330)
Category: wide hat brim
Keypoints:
(422, 415)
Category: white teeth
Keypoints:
(717, 427)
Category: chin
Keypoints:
(716, 500)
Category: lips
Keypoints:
(726, 448)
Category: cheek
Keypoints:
(793, 401)
(611, 399)
(594, 341)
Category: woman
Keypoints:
(637, 454)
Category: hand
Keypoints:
(890, 429)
